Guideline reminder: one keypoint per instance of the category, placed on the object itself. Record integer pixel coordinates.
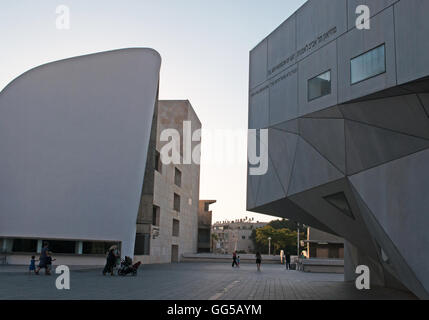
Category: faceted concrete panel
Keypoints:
(354, 257)
(320, 62)
(64, 130)
(311, 169)
(288, 126)
(353, 229)
(397, 194)
(252, 182)
(285, 208)
(283, 96)
(282, 153)
(424, 99)
(282, 46)
(259, 109)
(403, 114)
(375, 7)
(357, 42)
(368, 146)
(270, 187)
(412, 47)
(328, 113)
(258, 64)
(327, 136)
(317, 17)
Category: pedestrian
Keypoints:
(238, 261)
(258, 260)
(287, 259)
(32, 267)
(110, 260)
(234, 259)
(42, 259)
(49, 262)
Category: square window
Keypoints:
(176, 205)
(319, 86)
(368, 65)
(158, 163)
(155, 216)
(177, 177)
(176, 227)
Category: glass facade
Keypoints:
(369, 64)
(319, 86)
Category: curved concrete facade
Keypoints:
(355, 161)
(74, 136)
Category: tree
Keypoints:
(281, 239)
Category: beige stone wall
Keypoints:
(171, 114)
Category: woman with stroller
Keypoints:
(112, 256)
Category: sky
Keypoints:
(204, 47)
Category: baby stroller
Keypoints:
(128, 267)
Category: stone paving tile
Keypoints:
(189, 281)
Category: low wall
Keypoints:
(244, 258)
(321, 265)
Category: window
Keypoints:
(59, 246)
(24, 245)
(177, 177)
(176, 205)
(368, 65)
(340, 202)
(93, 247)
(176, 225)
(319, 86)
(206, 206)
(142, 244)
(155, 216)
(243, 237)
(158, 163)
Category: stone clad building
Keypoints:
(235, 236)
(167, 224)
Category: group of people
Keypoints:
(236, 260)
(45, 261)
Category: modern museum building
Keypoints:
(74, 138)
(347, 113)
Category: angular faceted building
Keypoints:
(347, 113)
(74, 137)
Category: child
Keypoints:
(32, 267)
(238, 261)
(49, 263)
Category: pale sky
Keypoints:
(204, 47)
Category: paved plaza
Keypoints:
(189, 281)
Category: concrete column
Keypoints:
(39, 246)
(78, 247)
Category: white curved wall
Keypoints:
(73, 142)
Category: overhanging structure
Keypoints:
(347, 113)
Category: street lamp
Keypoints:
(269, 246)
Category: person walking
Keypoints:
(287, 259)
(110, 260)
(258, 260)
(234, 259)
(43, 259)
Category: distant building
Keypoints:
(204, 225)
(235, 235)
(323, 245)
